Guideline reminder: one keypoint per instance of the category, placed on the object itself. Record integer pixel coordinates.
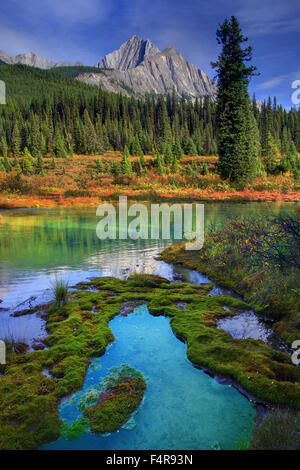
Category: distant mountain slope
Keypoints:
(25, 82)
(137, 68)
(129, 55)
(73, 71)
(34, 60)
(158, 74)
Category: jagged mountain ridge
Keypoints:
(159, 74)
(34, 60)
(129, 55)
(138, 67)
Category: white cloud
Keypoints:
(273, 82)
(269, 16)
(15, 42)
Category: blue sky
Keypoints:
(85, 30)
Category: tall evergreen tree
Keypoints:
(39, 167)
(177, 149)
(174, 165)
(168, 154)
(27, 162)
(4, 147)
(16, 141)
(125, 163)
(191, 149)
(238, 137)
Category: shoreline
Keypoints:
(42, 202)
(176, 254)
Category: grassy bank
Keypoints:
(29, 399)
(83, 181)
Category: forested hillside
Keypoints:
(48, 112)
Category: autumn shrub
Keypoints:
(261, 257)
(77, 193)
(282, 184)
(13, 182)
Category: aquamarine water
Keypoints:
(183, 407)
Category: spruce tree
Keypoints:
(39, 167)
(7, 163)
(115, 168)
(238, 139)
(90, 142)
(16, 141)
(125, 163)
(53, 163)
(135, 148)
(4, 147)
(27, 162)
(160, 165)
(60, 148)
(174, 165)
(191, 149)
(168, 154)
(177, 149)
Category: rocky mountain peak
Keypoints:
(131, 54)
(170, 50)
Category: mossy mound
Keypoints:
(79, 330)
(284, 310)
(147, 280)
(115, 405)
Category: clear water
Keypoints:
(249, 325)
(36, 245)
(183, 407)
(246, 325)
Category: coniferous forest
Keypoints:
(50, 113)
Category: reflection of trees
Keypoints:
(63, 237)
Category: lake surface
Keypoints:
(37, 245)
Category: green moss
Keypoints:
(284, 309)
(76, 430)
(115, 405)
(29, 401)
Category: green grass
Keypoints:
(60, 291)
